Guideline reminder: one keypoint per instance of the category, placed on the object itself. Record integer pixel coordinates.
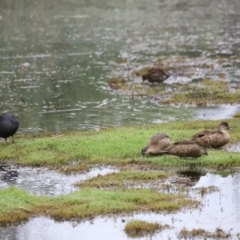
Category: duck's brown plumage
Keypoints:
(156, 143)
(155, 75)
(185, 148)
(213, 138)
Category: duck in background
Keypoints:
(157, 75)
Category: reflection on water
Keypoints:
(188, 177)
(219, 209)
(56, 58)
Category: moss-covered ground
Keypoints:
(110, 194)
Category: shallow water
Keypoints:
(220, 209)
(41, 181)
(233, 147)
(56, 59)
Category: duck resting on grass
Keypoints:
(8, 126)
(156, 143)
(184, 149)
(213, 138)
(157, 75)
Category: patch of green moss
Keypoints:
(17, 205)
(139, 228)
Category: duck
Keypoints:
(156, 143)
(184, 149)
(9, 124)
(155, 75)
(213, 138)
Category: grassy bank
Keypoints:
(116, 146)
(116, 192)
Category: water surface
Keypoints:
(56, 58)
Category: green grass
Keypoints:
(124, 178)
(139, 228)
(119, 147)
(17, 205)
(116, 146)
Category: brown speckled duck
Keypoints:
(155, 75)
(185, 148)
(213, 138)
(156, 143)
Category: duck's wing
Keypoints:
(203, 133)
(183, 142)
(157, 73)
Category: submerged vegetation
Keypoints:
(139, 228)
